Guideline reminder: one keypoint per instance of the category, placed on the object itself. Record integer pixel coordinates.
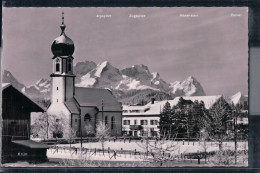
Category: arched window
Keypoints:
(57, 67)
(87, 117)
(106, 121)
(112, 123)
(69, 66)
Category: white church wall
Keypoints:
(58, 90)
(59, 111)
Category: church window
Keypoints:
(69, 66)
(57, 67)
(106, 121)
(57, 100)
(87, 117)
(57, 88)
(112, 122)
(57, 120)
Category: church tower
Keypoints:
(64, 109)
(63, 79)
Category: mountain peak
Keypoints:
(238, 98)
(191, 78)
(7, 77)
(101, 67)
(155, 75)
(189, 87)
(42, 80)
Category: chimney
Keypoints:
(152, 100)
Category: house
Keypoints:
(16, 143)
(144, 120)
(78, 109)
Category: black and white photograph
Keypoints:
(125, 87)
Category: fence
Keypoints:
(113, 154)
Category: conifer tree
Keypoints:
(165, 123)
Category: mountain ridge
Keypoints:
(136, 78)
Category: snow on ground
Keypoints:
(188, 147)
(99, 156)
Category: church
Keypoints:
(78, 108)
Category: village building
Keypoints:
(80, 109)
(16, 117)
(144, 120)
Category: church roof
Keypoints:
(72, 106)
(94, 97)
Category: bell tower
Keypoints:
(62, 76)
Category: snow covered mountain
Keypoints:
(104, 75)
(7, 77)
(238, 98)
(189, 87)
(82, 68)
(137, 77)
(41, 88)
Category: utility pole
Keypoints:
(80, 134)
(47, 126)
(235, 137)
(102, 109)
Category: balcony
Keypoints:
(136, 127)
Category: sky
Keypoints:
(209, 43)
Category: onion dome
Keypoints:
(62, 45)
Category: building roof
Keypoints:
(155, 109)
(26, 100)
(73, 106)
(5, 85)
(93, 97)
(31, 144)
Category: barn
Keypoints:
(16, 143)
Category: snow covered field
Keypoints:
(188, 147)
(181, 148)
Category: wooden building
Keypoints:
(16, 143)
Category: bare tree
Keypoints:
(204, 136)
(102, 133)
(161, 150)
(39, 126)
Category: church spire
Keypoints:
(62, 26)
